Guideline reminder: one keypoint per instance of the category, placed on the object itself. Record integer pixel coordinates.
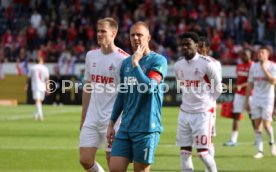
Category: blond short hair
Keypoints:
(112, 23)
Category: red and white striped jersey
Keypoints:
(103, 71)
(200, 83)
(242, 75)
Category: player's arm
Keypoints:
(116, 112)
(215, 76)
(247, 94)
(86, 94)
(269, 76)
(47, 80)
(156, 74)
(249, 87)
(48, 89)
(86, 91)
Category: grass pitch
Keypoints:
(27, 145)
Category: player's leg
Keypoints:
(201, 128)
(36, 98)
(121, 153)
(185, 141)
(144, 146)
(141, 167)
(90, 141)
(238, 104)
(267, 118)
(213, 134)
(256, 112)
(250, 115)
(211, 149)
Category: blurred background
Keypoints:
(62, 31)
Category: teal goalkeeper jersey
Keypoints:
(140, 97)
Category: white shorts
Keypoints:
(93, 137)
(38, 95)
(214, 118)
(194, 130)
(263, 111)
(238, 103)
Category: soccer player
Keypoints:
(203, 48)
(101, 76)
(200, 85)
(39, 78)
(239, 98)
(262, 76)
(142, 75)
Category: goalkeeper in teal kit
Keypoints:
(140, 101)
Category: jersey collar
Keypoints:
(193, 59)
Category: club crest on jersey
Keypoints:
(111, 67)
(94, 64)
(127, 69)
(144, 69)
(196, 71)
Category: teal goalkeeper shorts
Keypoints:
(137, 147)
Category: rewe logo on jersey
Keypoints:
(190, 83)
(130, 80)
(101, 79)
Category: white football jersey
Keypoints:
(263, 90)
(39, 75)
(200, 82)
(103, 71)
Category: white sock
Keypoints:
(270, 134)
(234, 136)
(96, 168)
(208, 161)
(186, 161)
(212, 150)
(259, 141)
(39, 110)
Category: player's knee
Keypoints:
(202, 152)
(86, 163)
(236, 116)
(113, 168)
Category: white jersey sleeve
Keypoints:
(215, 79)
(87, 67)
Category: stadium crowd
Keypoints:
(63, 30)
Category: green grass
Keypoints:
(52, 146)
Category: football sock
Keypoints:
(270, 134)
(234, 136)
(259, 141)
(186, 161)
(96, 168)
(39, 110)
(208, 161)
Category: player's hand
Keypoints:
(138, 55)
(110, 135)
(264, 64)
